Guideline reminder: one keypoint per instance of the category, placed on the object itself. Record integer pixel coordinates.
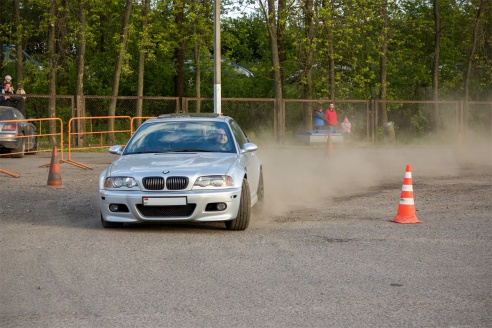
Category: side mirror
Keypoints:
(117, 150)
(249, 147)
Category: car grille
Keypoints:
(153, 183)
(166, 211)
(172, 183)
(176, 183)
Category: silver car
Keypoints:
(16, 134)
(180, 168)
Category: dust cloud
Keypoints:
(303, 177)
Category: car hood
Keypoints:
(186, 164)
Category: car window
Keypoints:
(18, 115)
(179, 136)
(5, 114)
(239, 134)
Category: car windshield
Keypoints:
(181, 136)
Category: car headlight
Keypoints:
(214, 181)
(120, 182)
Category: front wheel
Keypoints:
(241, 222)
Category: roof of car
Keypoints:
(185, 116)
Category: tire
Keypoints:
(241, 222)
(110, 225)
(33, 150)
(20, 150)
(261, 195)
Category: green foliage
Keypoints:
(353, 28)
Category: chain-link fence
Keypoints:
(409, 121)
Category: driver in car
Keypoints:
(221, 140)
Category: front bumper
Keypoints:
(133, 200)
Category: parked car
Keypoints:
(16, 137)
(183, 167)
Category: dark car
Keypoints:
(16, 136)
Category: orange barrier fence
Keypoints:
(32, 136)
(96, 132)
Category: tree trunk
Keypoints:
(435, 65)
(61, 40)
(308, 64)
(179, 53)
(471, 53)
(79, 84)
(328, 27)
(117, 70)
(18, 47)
(382, 60)
(282, 15)
(52, 59)
(141, 60)
(270, 17)
(198, 75)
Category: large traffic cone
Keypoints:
(54, 177)
(406, 209)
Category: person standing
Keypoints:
(8, 79)
(346, 127)
(319, 118)
(9, 98)
(331, 117)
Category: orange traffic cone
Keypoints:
(406, 209)
(329, 145)
(54, 177)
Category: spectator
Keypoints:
(10, 99)
(8, 79)
(331, 117)
(346, 127)
(319, 118)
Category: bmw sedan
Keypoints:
(183, 168)
(16, 135)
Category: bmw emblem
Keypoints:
(165, 172)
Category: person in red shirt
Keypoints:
(331, 117)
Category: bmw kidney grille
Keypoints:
(172, 183)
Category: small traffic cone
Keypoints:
(329, 145)
(54, 177)
(406, 208)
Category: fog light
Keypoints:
(212, 207)
(113, 207)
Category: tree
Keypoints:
(435, 63)
(143, 44)
(117, 69)
(382, 59)
(52, 68)
(471, 52)
(81, 51)
(179, 49)
(271, 19)
(18, 46)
